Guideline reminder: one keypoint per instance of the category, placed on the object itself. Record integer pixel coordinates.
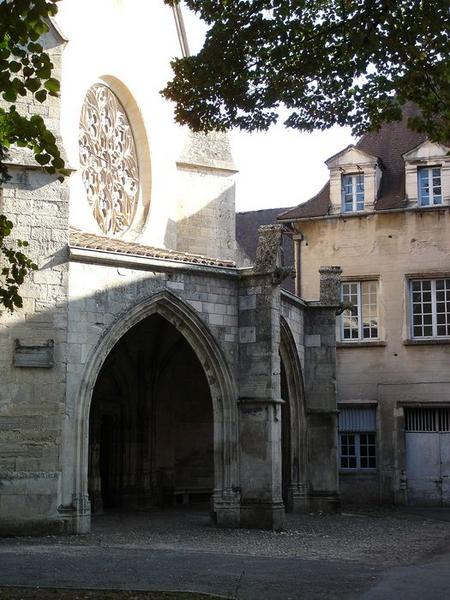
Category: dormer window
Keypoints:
(429, 186)
(352, 192)
(427, 175)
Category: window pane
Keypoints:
(359, 192)
(429, 310)
(352, 192)
(424, 187)
(369, 309)
(436, 182)
(441, 307)
(429, 186)
(348, 451)
(350, 319)
(347, 193)
(367, 447)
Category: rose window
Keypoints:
(108, 159)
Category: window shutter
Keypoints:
(357, 419)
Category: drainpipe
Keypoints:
(297, 238)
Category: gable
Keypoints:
(351, 156)
(427, 150)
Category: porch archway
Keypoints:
(222, 390)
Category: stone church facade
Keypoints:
(149, 366)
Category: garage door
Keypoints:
(427, 433)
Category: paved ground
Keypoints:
(381, 554)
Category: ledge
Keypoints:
(290, 297)
(321, 411)
(364, 214)
(359, 472)
(130, 261)
(434, 342)
(375, 344)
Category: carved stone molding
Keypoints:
(108, 159)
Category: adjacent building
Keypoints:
(384, 218)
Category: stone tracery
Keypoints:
(108, 160)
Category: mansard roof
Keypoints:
(389, 144)
(91, 241)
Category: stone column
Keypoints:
(259, 381)
(320, 389)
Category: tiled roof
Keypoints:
(314, 207)
(388, 144)
(247, 224)
(92, 241)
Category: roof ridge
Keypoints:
(259, 210)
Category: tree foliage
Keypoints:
(25, 73)
(328, 62)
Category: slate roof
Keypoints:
(388, 144)
(92, 241)
(247, 224)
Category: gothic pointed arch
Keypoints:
(297, 418)
(222, 389)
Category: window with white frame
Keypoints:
(353, 192)
(429, 186)
(357, 438)
(359, 321)
(430, 307)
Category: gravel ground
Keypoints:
(382, 537)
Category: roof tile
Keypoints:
(92, 241)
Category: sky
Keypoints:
(281, 167)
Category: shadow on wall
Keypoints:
(215, 230)
(210, 228)
(152, 401)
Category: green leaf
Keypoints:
(41, 95)
(10, 95)
(52, 85)
(32, 84)
(43, 158)
(14, 66)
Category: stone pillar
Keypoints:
(320, 389)
(259, 381)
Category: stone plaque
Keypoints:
(34, 356)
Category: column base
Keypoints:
(225, 510)
(256, 514)
(298, 498)
(76, 516)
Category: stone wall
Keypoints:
(32, 400)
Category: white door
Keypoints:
(427, 441)
(423, 469)
(445, 467)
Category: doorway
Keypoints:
(151, 425)
(427, 441)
